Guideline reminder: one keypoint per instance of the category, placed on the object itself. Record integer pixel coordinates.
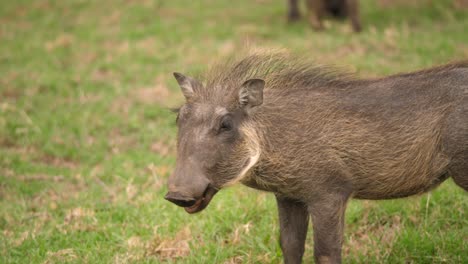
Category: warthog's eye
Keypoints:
(226, 124)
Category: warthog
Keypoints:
(316, 138)
(318, 9)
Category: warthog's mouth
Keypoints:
(203, 201)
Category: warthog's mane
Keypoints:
(280, 70)
(285, 73)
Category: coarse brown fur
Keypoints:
(323, 137)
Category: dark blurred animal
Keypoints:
(318, 9)
(316, 139)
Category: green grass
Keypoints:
(87, 140)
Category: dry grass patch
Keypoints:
(119, 142)
(61, 256)
(78, 219)
(235, 260)
(373, 239)
(156, 93)
(239, 232)
(162, 249)
(51, 160)
(159, 172)
(60, 41)
(164, 148)
(172, 248)
(21, 238)
(40, 177)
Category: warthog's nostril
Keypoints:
(179, 199)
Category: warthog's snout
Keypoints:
(192, 205)
(180, 199)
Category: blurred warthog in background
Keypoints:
(318, 9)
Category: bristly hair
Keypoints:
(280, 70)
(283, 73)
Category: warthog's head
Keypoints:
(216, 146)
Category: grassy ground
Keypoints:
(87, 142)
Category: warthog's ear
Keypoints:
(187, 84)
(251, 93)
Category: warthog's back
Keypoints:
(384, 137)
(416, 126)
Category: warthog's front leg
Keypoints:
(294, 219)
(328, 223)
